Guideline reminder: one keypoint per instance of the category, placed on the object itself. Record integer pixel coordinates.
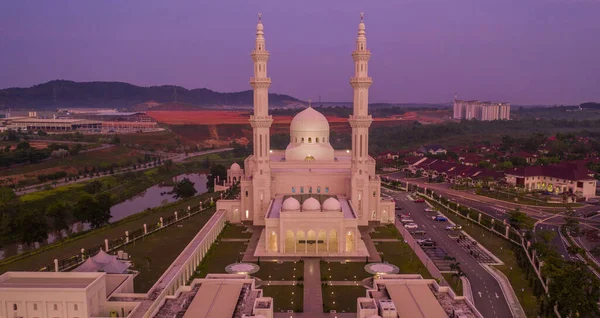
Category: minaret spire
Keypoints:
(360, 121)
(261, 124)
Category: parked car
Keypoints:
(418, 232)
(419, 201)
(430, 209)
(405, 221)
(439, 218)
(398, 207)
(454, 227)
(426, 242)
(411, 226)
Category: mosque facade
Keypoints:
(310, 198)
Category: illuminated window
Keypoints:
(326, 189)
(317, 140)
(309, 140)
(293, 189)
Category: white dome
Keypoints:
(311, 205)
(331, 204)
(235, 167)
(309, 120)
(290, 204)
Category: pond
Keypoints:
(152, 197)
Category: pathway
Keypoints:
(249, 253)
(313, 296)
(373, 253)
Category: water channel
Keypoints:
(155, 196)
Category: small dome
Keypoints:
(290, 204)
(235, 167)
(309, 120)
(311, 205)
(331, 204)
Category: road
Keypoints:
(546, 217)
(487, 293)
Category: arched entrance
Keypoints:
(349, 242)
(384, 216)
(333, 244)
(301, 242)
(290, 242)
(322, 242)
(311, 238)
(272, 241)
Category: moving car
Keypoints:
(439, 218)
(430, 209)
(454, 227)
(426, 242)
(419, 201)
(411, 226)
(405, 221)
(418, 232)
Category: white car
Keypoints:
(430, 209)
(406, 221)
(411, 226)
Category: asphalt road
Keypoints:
(487, 293)
(547, 218)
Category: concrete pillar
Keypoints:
(175, 216)
(106, 245)
(83, 254)
(161, 222)
(55, 265)
(145, 229)
(507, 230)
(479, 218)
(126, 236)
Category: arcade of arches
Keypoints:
(313, 242)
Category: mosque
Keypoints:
(310, 198)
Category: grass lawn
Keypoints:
(118, 154)
(386, 232)
(284, 271)
(401, 255)
(45, 255)
(233, 231)
(336, 271)
(341, 298)
(219, 256)
(502, 249)
(523, 199)
(155, 253)
(454, 282)
(285, 297)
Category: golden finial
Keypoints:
(260, 17)
(362, 17)
(309, 102)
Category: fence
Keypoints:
(112, 245)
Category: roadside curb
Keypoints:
(509, 293)
(467, 291)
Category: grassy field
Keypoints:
(152, 255)
(523, 199)
(98, 158)
(234, 231)
(386, 232)
(401, 255)
(336, 271)
(342, 298)
(285, 271)
(219, 256)
(502, 249)
(285, 297)
(46, 255)
(454, 282)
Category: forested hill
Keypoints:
(62, 94)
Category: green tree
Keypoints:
(32, 227)
(571, 223)
(215, 171)
(184, 189)
(575, 291)
(518, 219)
(58, 214)
(102, 214)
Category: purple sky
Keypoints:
(519, 51)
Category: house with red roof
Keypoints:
(560, 178)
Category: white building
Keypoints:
(474, 109)
(310, 198)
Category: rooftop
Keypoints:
(36, 280)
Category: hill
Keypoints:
(64, 94)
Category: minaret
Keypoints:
(360, 120)
(261, 124)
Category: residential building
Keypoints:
(560, 178)
(474, 109)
